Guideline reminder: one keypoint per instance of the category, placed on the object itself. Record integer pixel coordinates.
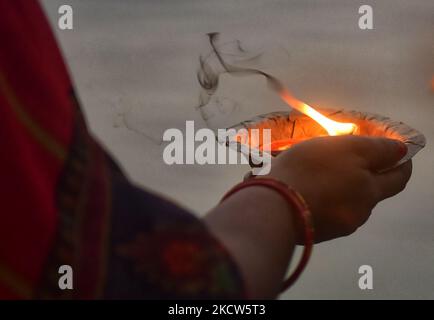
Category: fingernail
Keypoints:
(402, 148)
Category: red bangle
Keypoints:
(302, 211)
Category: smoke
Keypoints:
(231, 58)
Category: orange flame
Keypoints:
(333, 128)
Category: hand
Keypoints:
(342, 179)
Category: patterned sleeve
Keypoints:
(66, 204)
(127, 243)
(159, 251)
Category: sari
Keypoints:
(65, 201)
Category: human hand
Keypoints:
(342, 179)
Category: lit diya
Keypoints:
(292, 127)
(301, 123)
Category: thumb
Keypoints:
(382, 153)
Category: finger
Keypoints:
(379, 153)
(393, 181)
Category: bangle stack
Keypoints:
(296, 201)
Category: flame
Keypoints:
(332, 127)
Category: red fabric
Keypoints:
(65, 201)
(33, 141)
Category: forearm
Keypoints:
(256, 226)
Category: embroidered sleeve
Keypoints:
(159, 251)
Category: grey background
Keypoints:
(139, 58)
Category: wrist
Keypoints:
(297, 222)
(255, 227)
(300, 210)
(256, 205)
